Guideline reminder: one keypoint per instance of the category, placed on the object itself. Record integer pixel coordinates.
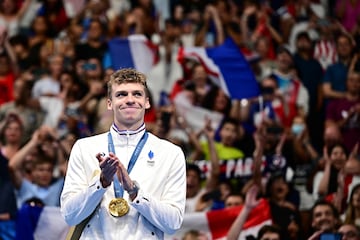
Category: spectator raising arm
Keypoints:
(250, 203)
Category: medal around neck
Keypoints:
(118, 207)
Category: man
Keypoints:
(310, 74)
(269, 232)
(344, 112)
(349, 232)
(295, 94)
(325, 218)
(333, 85)
(131, 197)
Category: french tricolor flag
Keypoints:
(227, 67)
(134, 51)
(216, 224)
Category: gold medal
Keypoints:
(118, 207)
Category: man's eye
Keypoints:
(120, 94)
(138, 94)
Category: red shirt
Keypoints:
(6, 88)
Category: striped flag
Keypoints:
(227, 67)
(135, 51)
(216, 224)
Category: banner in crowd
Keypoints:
(227, 67)
(216, 224)
(135, 51)
(232, 168)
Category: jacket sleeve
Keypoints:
(167, 212)
(82, 192)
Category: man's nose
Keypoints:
(130, 98)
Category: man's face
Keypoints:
(42, 174)
(233, 201)
(344, 47)
(192, 183)
(128, 102)
(323, 218)
(228, 134)
(349, 232)
(284, 61)
(303, 44)
(270, 236)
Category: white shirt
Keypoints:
(160, 203)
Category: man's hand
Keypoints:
(108, 166)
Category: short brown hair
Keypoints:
(126, 75)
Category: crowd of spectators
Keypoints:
(297, 142)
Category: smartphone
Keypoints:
(330, 236)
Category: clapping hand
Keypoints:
(108, 166)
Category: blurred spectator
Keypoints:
(10, 134)
(352, 213)
(266, 63)
(7, 79)
(325, 47)
(349, 231)
(42, 186)
(305, 161)
(54, 12)
(31, 118)
(40, 43)
(95, 45)
(48, 84)
(335, 75)
(324, 218)
(269, 232)
(225, 147)
(268, 107)
(210, 32)
(167, 69)
(194, 235)
(347, 11)
(284, 202)
(194, 189)
(216, 100)
(296, 96)
(256, 23)
(10, 16)
(249, 204)
(143, 18)
(310, 74)
(345, 111)
(20, 44)
(326, 181)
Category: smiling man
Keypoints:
(128, 183)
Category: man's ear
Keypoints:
(109, 104)
(147, 104)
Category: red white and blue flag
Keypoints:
(134, 51)
(227, 67)
(216, 224)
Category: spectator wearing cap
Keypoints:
(295, 94)
(310, 74)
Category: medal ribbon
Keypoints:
(118, 189)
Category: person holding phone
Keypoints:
(324, 221)
(131, 183)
